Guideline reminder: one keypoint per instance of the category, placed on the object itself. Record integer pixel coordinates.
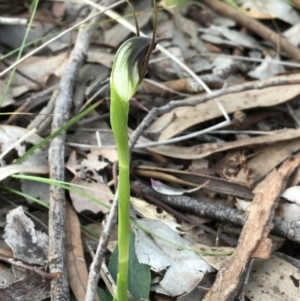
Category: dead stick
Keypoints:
(288, 230)
(255, 230)
(16, 262)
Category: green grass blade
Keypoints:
(11, 76)
(56, 133)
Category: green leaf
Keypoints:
(104, 294)
(139, 276)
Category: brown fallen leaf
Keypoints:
(187, 117)
(265, 160)
(38, 68)
(76, 265)
(194, 180)
(92, 184)
(204, 150)
(94, 188)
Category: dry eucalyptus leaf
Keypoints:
(273, 279)
(293, 34)
(217, 40)
(18, 285)
(107, 153)
(243, 40)
(94, 187)
(218, 261)
(150, 211)
(9, 135)
(166, 250)
(190, 116)
(75, 256)
(204, 150)
(28, 244)
(266, 69)
(8, 100)
(266, 159)
(118, 33)
(100, 57)
(270, 9)
(37, 190)
(38, 68)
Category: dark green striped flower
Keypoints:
(130, 66)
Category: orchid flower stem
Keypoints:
(119, 119)
(127, 73)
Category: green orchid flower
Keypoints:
(130, 65)
(128, 71)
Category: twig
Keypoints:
(255, 231)
(30, 102)
(185, 137)
(21, 264)
(219, 212)
(246, 280)
(255, 26)
(181, 216)
(43, 120)
(98, 259)
(57, 210)
(195, 100)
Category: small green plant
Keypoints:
(128, 70)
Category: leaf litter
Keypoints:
(230, 163)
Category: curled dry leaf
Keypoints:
(266, 69)
(286, 211)
(292, 194)
(28, 244)
(19, 139)
(169, 190)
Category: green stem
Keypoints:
(119, 122)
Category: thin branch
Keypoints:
(195, 100)
(288, 230)
(16, 262)
(95, 267)
(57, 210)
